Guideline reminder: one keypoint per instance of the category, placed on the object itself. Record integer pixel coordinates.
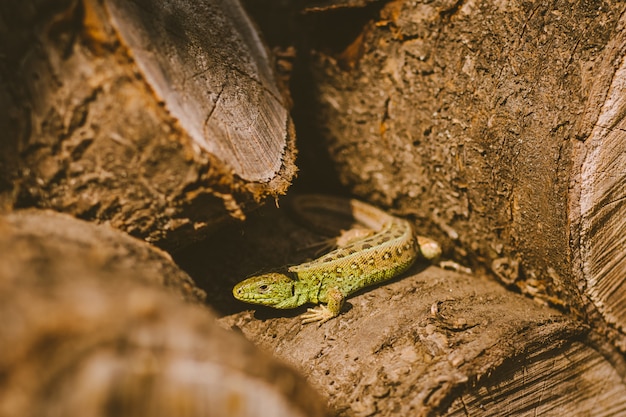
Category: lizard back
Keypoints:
(364, 262)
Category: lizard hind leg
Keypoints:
(323, 313)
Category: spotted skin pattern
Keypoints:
(367, 259)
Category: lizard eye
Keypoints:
(263, 287)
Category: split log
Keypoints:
(499, 127)
(88, 329)
(159, 118)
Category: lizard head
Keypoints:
(273, 289)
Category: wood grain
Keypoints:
(209, 66)
(572, 379)
(598, 203)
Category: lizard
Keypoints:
(363, 257)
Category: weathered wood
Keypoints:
(572, 379)
(498, 126)
(210, 68)
(598, 196)
(88, 329)
(159, 118)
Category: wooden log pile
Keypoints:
(132, 127)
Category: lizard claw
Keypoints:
(319, 314)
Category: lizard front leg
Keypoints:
(323, 313)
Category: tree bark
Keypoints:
(140, 114)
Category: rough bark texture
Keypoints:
(87, 329)
(141, 116)
(444, 114)
(498, 126)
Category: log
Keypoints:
(159, 118)
(42, 244)
(577, 379)
(499, 128)
(90, 329)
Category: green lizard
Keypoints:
(364, 257)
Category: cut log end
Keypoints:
(598, 212)
(215, 79)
